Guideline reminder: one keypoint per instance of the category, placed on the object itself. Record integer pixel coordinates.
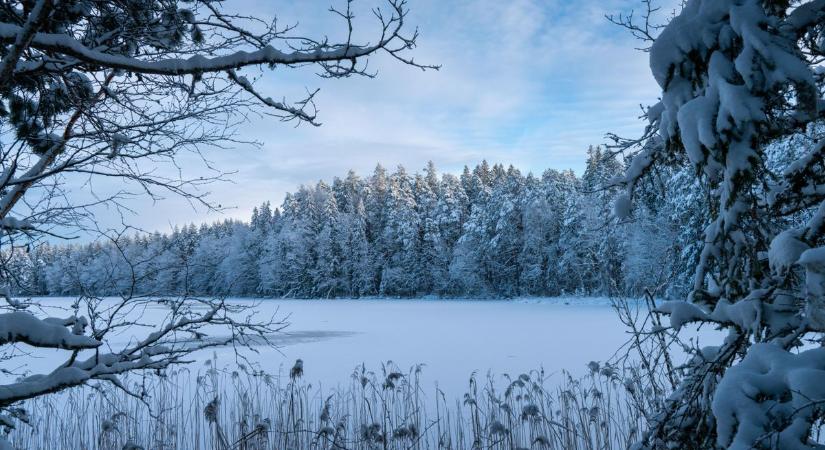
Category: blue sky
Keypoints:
(525, 82)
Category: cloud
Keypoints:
(528, 82)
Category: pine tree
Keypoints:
(400, 235)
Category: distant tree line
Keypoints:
(490, 232)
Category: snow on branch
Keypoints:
(22, 39)
(24, 327)
(391, 40)
(770, 399)
(196, 64)
(157, 350)
(292, 112)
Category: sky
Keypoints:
(531, 83)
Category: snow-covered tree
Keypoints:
(469, 269)
(400, 237)
(602, 245)
(540, 230)
(523, 235)
(742, 102)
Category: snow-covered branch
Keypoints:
(22, 326)
(159, 349)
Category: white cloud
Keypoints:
(528, 82)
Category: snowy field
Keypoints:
(452, 338)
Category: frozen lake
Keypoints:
(452, 338)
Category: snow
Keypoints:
(785, 250)
(12, 223)
(771, 389)
(747, 314)
(452, 338)
(681, 313)
(65, 44)
(623, 206)
(21, 326)
(813, 260)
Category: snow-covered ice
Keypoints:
(452, 338)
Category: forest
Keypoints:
(491, 231)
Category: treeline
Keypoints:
(490, 232)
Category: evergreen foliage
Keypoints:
(492, 232)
